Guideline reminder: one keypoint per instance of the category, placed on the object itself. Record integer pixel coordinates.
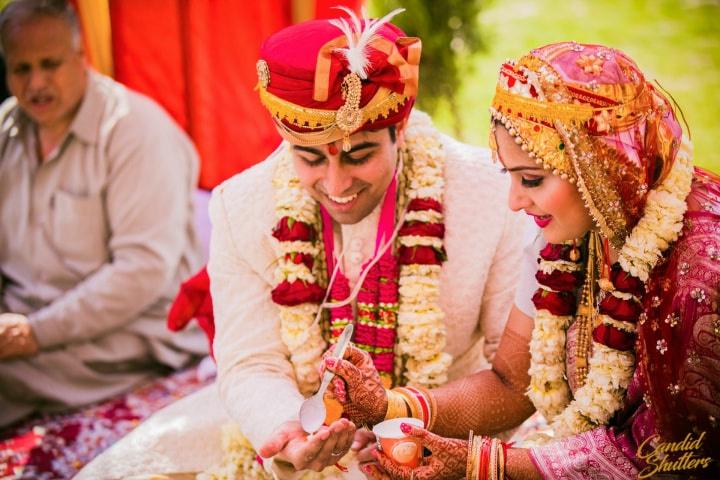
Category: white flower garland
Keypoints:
(421, 327)
(299, 332)
(610, 370)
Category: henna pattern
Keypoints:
(364, 399)
(491, 401)
(448, 459)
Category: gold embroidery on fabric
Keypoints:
(551, 128)
(323, 123)
(517, 105)
(597, 189)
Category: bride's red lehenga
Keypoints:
(674, 391)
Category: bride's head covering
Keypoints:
(587, 113)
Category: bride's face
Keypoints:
(555, 204)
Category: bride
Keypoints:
(615, 332)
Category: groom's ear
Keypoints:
(400, 133)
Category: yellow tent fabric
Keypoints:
(95, 22)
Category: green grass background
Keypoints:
(676, 42)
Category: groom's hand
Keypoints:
(290, 444)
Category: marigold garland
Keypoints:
(612, 362)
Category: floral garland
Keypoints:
(300, 271)
(420, 359)
(612, 362)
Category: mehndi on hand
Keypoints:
(361, 391)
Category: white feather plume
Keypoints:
(359, 36)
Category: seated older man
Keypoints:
(96, 223)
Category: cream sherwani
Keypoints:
(256, 384)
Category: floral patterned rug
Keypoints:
(58, 446)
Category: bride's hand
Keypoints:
(448, 459)
(360, 389)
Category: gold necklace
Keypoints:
(586, 310)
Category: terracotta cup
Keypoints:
(402, 449)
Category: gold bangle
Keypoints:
(470, 463)
(396, 405)
(410, 401)
(501, 462)
(475, 461)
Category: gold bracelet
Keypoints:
(410, 401)
(475, 452)
(396, 405)
(469, 465)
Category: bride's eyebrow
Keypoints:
(521, 168)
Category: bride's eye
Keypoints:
(531, 182)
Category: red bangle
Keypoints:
(484, 459)
(423, 404)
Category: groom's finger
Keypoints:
(275, 444)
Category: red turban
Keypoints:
(305, 79)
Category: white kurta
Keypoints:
(256, 381)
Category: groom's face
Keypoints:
(349, 184)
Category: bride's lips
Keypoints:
(542, 221)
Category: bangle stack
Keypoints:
(421, 403)
(487, 458)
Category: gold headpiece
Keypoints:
(571, 127)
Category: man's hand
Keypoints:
(316, 451)
(363, 445)
(360, 391)
(16, 337)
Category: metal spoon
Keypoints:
(312, 411)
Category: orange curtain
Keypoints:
(95, 24)
(197, 59)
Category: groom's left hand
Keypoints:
(314, 452)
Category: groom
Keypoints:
(365, 202)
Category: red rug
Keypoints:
(58, 446)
